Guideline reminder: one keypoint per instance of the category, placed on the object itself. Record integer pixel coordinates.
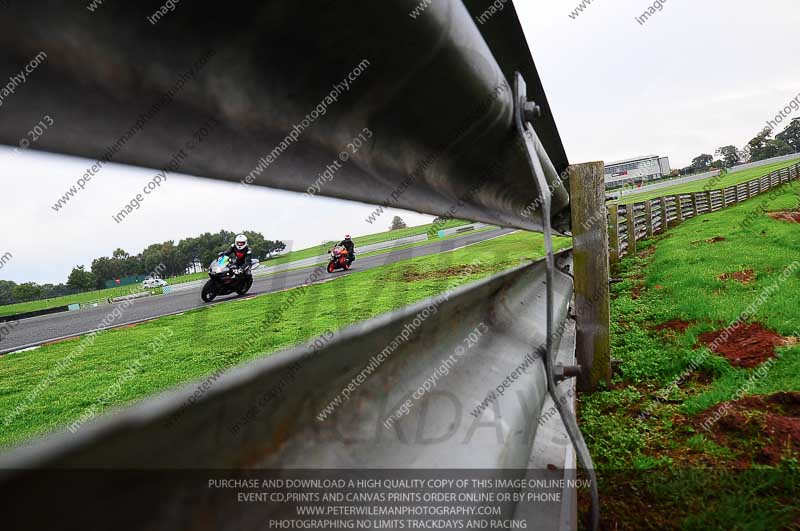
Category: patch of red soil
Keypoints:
(764, 428)
(744, 277)
(676, 325)
(647, 253)
(790, 216)
(624, 506)
(455, 271)
(745, 345)
(715, 239)
(702, 377)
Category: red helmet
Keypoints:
(346, 236)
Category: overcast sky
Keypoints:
(695, 76)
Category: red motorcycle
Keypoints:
(339, 259)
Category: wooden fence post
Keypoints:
(631, 223)
(613, 222)
(678, 209)
(648, 218)
(724, 198)
(590, 251)
(694, 204)
(664, 216)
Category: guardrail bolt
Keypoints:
(563, 372)
(531, 111)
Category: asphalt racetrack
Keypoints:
(43, 329)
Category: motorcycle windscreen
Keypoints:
(220, 263)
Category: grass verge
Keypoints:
(361, 241)
(724, 181)
(120, 366)
(664, 459)
(324, 260)
(23, 307)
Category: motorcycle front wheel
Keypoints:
(248, 284)
(209, 293)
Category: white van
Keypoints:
(151, 283)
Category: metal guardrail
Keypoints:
(36, 313)
(178, 430)
(765, 162)
(441, 70)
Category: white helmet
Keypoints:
(241, 241)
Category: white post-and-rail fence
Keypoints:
(630, 223)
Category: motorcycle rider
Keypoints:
(348, 244)
(239, 252)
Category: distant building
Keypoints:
(636, 171)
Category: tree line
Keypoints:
(760, 147)
(178, 259)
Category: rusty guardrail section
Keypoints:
(630, 223)
(404, 112)
(433, 99)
